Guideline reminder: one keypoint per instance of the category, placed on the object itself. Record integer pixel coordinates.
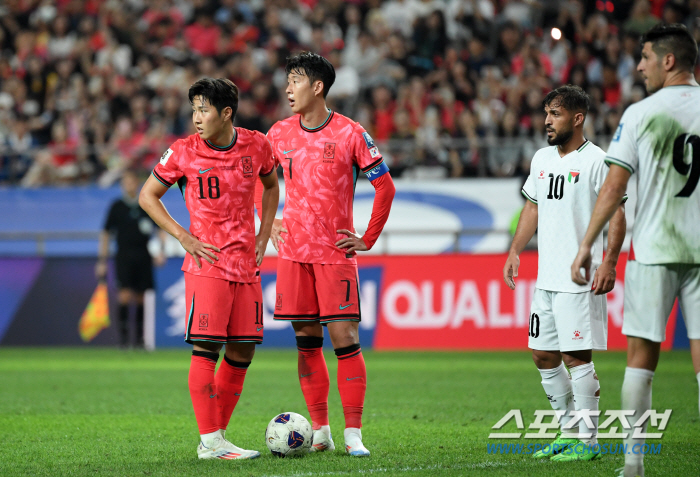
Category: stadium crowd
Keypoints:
(447, 88)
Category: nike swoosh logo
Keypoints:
(350, 379)
(212, 396)
(344, 307)
(236, 394)
(258, 329)
(305, 375)
(205, 170)
(287, 152)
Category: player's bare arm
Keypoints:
(149, 200)
(270, 201)
(608, 202)
(604, 278)
(527, 225)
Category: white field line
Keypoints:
(481, 465)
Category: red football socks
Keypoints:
(203, 390)
(229, 386)
(352, 383)
(313, 377)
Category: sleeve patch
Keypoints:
(618, 133)
(368, 140)
(377, 172)
(166, 155)
(374, 152)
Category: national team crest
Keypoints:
(247, 166)
(574, 175)
(278, 304)
(329, 150)
(203, 320)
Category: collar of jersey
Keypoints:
(583, 146)
(318, 128)
(226, 148)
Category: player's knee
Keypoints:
(546, 359)
(240, 352)
(206, 346)
(343, 334)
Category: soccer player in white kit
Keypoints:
(567, 321)
(657, 144)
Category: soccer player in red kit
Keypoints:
(322, 154)
(216, 171)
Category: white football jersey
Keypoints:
(565, 190)
(658, 141)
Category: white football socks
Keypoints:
(210, 440)
(557, 386)
(636, 396)
(586, 387)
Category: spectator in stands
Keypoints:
(83, 63)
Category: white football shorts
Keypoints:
(650, 291)
(568, 321)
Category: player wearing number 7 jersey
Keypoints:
(216, 170)
(567, 321)
(657, 144)
(322, 154)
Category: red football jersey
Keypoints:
(321, 167)
(218, 186)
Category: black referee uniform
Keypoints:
(133, 229)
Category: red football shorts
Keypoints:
(221, 311)
(317, 292)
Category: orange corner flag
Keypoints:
(96, 316)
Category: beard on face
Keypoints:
(561, 137)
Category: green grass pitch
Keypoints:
(98, 412)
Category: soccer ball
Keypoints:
(289, 434)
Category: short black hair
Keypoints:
(570, 97)
(674, 38)
(219, 92)
(316, 67)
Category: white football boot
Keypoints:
(323, 440)
(353, 442)
(220, 448)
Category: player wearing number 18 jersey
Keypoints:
(216, 171)
(657, 145)
(322, 154)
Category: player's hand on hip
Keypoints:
(582, 260)
(604, 279)
(352, 243)
(510, 270)
(276, 234)
(199, 250)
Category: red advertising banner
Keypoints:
(461, 302)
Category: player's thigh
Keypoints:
(246, 322)
(690, 299)
(338, 291)
(209, 302)
(542, 330)
(582, 321)
(650, 291)
(296, 295)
